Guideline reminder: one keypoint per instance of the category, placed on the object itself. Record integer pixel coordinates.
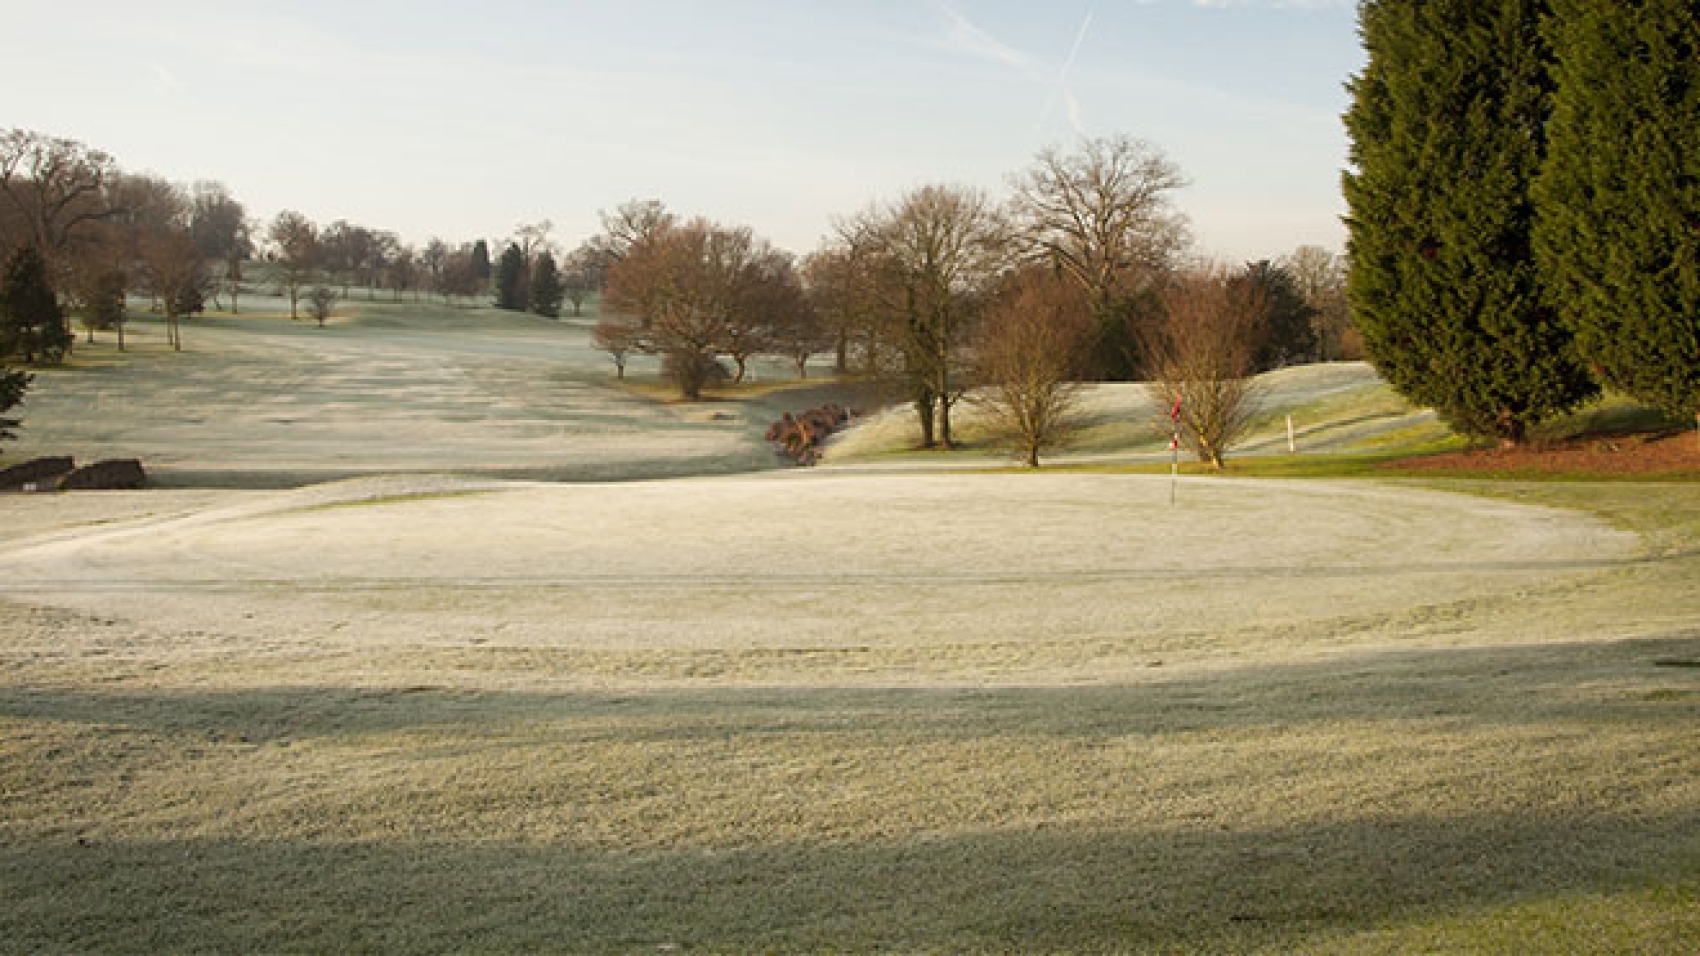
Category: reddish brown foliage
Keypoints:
(1665, 453)
(799, 437)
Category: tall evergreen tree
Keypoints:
(1448, 126)
(546, 289)
(481, 262)
(510, 279)
(32, 326)
(1618, 233)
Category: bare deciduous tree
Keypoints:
(1029, 354)
(57, 186)
(583, 272)
(629, 224)
(1104, 215)
(179, 276)
(1320, 276)
(935, 252)
(1199, 357)
(297, 246)
(841, 281)
(619, 336)
(680, 283)
(801, 334)
(766, 296)
(533, 239)
(460, 273)
(220, 226)
(433, 258)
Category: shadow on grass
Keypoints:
(1209, 890)
(1035, 883)
(1513, 686)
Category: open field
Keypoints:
(817, 710)
(259, 401)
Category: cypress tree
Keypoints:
(481, 261)
(32, 326)
(1618, 234)
(546, 291)
(1447, 127)
(510, 279)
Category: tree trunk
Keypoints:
(924, 410)
(941, 389)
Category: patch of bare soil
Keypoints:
(1654, 453)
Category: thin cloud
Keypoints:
(962, 36)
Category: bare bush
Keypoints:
(1200, 356)
(619, 336)
(1030, 353)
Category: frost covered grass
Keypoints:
(811, 711)
(977, 712)
(258, 401)
(1339, 408)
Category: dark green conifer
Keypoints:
(1289, 332)
(546, 290)
(32, 326)
(12, 386)
(510, 279)
(1447, 127)
(1618, 231)
(481, 262)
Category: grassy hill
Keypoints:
(886, 705)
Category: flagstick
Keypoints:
(1174, 467)
(1175, 447)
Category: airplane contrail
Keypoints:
(1061, 88)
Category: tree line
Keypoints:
(934, 290)
(103, 233)
(1525, 205)
(1077, 275)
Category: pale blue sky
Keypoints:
(465, 119)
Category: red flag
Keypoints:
(1175, 413)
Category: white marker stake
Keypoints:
(1292, 448)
